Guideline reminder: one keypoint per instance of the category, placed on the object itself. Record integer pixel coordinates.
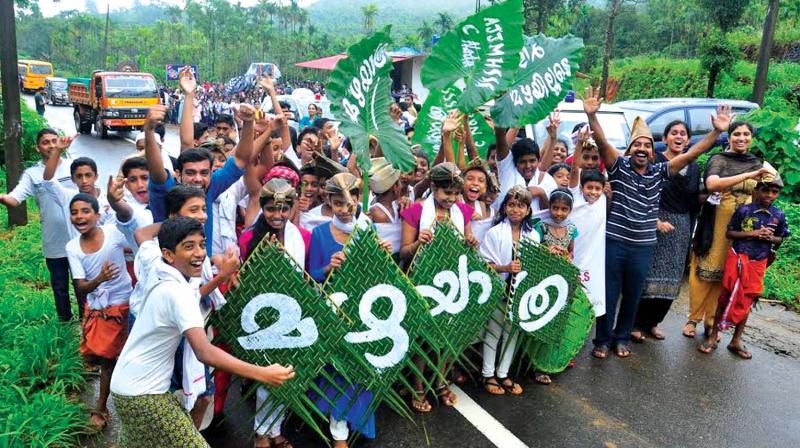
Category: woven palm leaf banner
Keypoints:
(278, 315)
(461, 289)
(541, 292)
(554, 358)
(385, 318)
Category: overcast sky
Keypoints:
(51, 8)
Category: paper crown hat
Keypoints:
(771, 178)
(382, 175)
(638, 130)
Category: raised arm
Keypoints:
(591, 104)
(721, 123)
(469, 142)
(152, 152)
(546, 154)
(115, 194)
(244, 149)
(449, 125)
(51, 163)
(283, 126)
(188, 85)
(575, 175)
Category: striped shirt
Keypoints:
(634, 204)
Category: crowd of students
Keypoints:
(152, 256)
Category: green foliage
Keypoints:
(725, 13)
(645, 77)
(40, 367)
(776, 141)
(32, 123)
(717, 55)
(782, 281)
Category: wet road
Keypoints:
(666, 394)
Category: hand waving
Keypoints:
(266, 83)
(723, 118)
(592, 100)
(186, 79)
(452, 122)
(555, 122)
(115, 191)
(246, 113)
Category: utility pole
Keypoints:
(12, 122)
(105, 42)
(760, 84)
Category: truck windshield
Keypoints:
(130, 87)
(41, 69)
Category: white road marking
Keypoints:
(485, 422)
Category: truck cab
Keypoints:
(112, 101)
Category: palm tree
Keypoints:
(369, 11)
(426, 32)
(444, 21)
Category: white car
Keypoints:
(612, 119)
(298, 103)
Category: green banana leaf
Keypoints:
(438, 105)
(547, 69)
(360, 93)
(483, 50)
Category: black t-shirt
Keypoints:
(679, 193)
(39, 100)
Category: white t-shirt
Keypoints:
(88, 266)
(225, 209)
(147, 360)
(590, 247)
(509, 176)
(62, 196)
(51, 214)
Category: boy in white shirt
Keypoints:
(149, 414)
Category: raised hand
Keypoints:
(267, 83)
(723, 118)
(451, 123)
(592, 100)
(186, 80)
(584, 133)
(555, 122)
(155, 115)
(63, 142)
(114, 190)
(246, 113)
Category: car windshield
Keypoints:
(614, 126)
(126, 86)
(41, 69)
(59, 86)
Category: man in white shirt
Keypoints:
(51, 216)
(519, 165)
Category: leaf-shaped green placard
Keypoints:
(541, 292)
(386, 319)
(438, 105)
(461, 289)
(547, 69)
(277, 315)
(360, 93)
(554, 358)
(483, 50)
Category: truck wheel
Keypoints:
(100, 128)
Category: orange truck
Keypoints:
(115, 101)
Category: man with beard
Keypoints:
(631, 229)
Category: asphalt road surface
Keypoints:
(666, 394)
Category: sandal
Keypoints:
(104, 418)
(638, 336)
(690, 329)
(657, 334)
(458, 377)
(493, 386)
(707, 348)
(420, 405)
(446, 396)
(262, 441)
(740, 351)
(600, 352)
(542, 378)
(510, 386)
(623, 351)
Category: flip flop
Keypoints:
(638, 338)
(622, 351)
(657, 334)
(600, 352)
(740, 351)
(690, 329)
(707, 348)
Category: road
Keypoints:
(666, 394)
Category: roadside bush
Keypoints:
(782, 281)
(776, 141)
(32, 123)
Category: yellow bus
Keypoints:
(33, 73)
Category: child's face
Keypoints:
(310, 186)
(527, 165)
(490, 197)
(592, 191)
(219, 160)
(590, 159)
(277, 214)
(474, 185)
(559, 153)
(559, 210)
(341, 208)
(516, 211)
(188, 256)
(84, 178)
(422, 168)
(445, 197)
(194, 208)
(765, 196)
(83, 217)
(562, 177)
(136, 182)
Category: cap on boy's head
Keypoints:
(638, 130)
(326, 167)
(278, 190)
(382, 175)
(771, 179)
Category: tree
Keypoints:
(613, 11)
(537, 13)
(444, 21)
(370, 11)
(426, 32)
(716, 53)
(760, 83)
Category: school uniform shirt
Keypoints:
(498, 245)
(221, 180)
(225, 212)
(509, 176)
(85, 266)
(62, 196)
(51, 214)
(141, 210)
(313, 218)
(146, 363)
(590, 247)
